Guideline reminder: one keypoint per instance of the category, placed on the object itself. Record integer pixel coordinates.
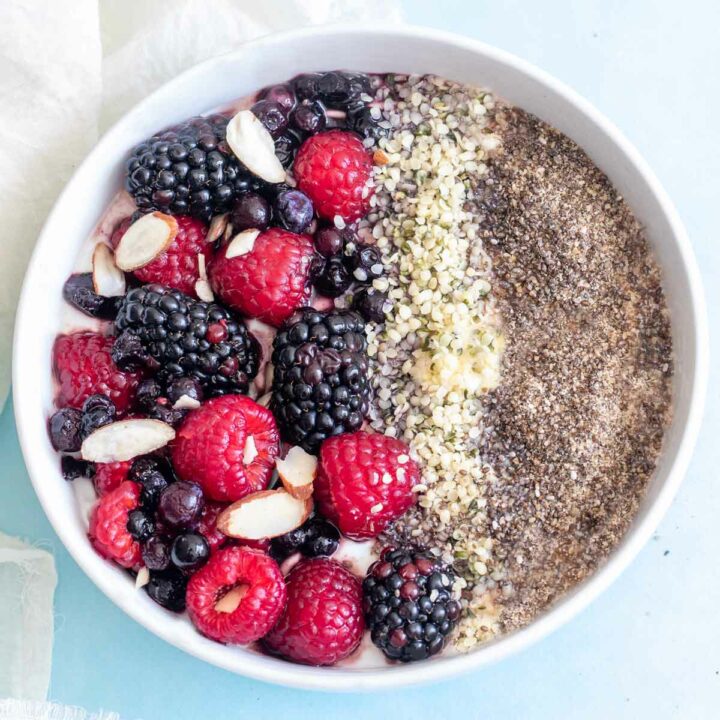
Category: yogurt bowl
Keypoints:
(271, 60)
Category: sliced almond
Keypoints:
(217, 227)
(202, 266)
(108, 279)
(203, 290)
(230, 601)
(185, 402)
(242, 243)
(125, 440)
(250, 451)
(146, 239)
(254, 147)
(142, 578)
(264, 514)
(265, 399)
(297, 472)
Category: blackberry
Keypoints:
(408, 604)
(320, 385)
(187, 169)
(190, 338)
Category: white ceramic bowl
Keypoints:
(274, 59)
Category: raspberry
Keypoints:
(259, 606)
(207, 525)
(213, 444)
(108, 531)
(270, 281)
(362, 485)
(83, 366)
(108, 476)
(333, 169)
(177, 267)
(323, 619)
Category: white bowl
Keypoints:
(274, 59)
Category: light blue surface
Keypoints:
(650, 647)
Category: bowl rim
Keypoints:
(291, 675)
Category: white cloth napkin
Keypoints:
(68, 69)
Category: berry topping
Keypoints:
(65, 429)
(79, 291)
(189, 551)
(237, 596)
(251, 211)
(229, 446)
(108, 525)
(172, 328)
(186, 170)
(335, 171)
(109, 476)
(320, 384)
(269, 280)
(177, 266)
(83, 366)
(167, 589)
(292, 210)
(364, 482)
(323, 621)
(408, 604)
(180, 504)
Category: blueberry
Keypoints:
(286, 145)
(360, 120)
(180, 504)
(285, 545)
(309, 117)
(184, 386)
(272, 115)
(156, 553)
(72, 468)
(329, 241)
(128, 352)
(189, 551)
(366, 263)
(65, 428)
(371, 304)
(168, 589)
(293, 210)
(336, 90)
(333, 279)
(306, 86)
(250, 211)
(98, 410)
(140, 525)
(282, 95)
(322, 538)
(148, 391)
(79, 291)
(163, 411)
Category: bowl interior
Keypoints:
(274, 59)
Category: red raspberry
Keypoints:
(333, 170)
(210, 447)
(108, 476)
(177, 267)
(361, 486)
(323, 619)
(120, 230)
(271, 281)
(207, 525)
(83, 366)
(259, 607)
(108, 526)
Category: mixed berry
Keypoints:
(219, 405)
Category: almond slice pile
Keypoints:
(265, 514)
(145, 240)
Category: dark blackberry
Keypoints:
(72, 468)
(408, 604)
(187, 169)
(167, 588)
(320, 385)
(331, 278)
(371, 304)
(182, 335)
(79, 291)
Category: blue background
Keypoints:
(650, 647)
